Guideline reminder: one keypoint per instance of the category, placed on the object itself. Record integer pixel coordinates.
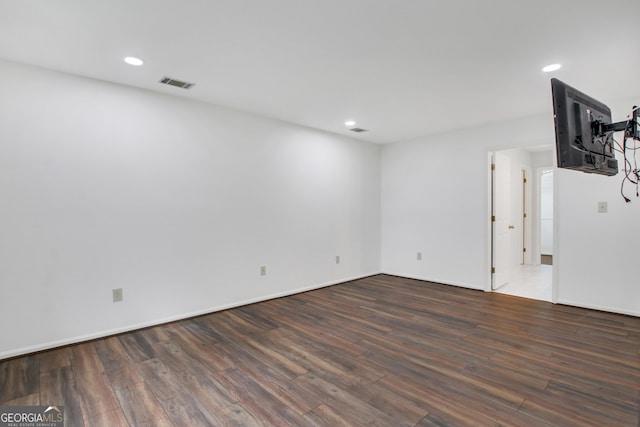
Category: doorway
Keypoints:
(522, 222)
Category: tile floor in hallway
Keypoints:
(529, 281)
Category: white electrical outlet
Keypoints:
(602, 207)
(117, 295)
(337, 259)
(263, 270)
(419, 256)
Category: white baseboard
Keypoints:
(431, 279)
(599, 308)
(88, 337)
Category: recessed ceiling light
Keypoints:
(350, 123)
(552, 67)
(131, 60)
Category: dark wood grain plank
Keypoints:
(54, 359)
(30, 400)
(58, 388)
(141, 407)
(210, 394)
(200, 347)
(444, 401)
(258, 401)
(393, 405)
(324, 415)
(138, 345)
(19, 378)
(120, 369)
(182, 408)
(322, 390)
(115, 418)
(281, 386)
(173, 372)
(237, 416)
(94, 388)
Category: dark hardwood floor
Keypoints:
(381, 351)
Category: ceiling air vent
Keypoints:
(177, 83)
(358, 130)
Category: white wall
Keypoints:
(177, 202)
(435, 200)
(542, 159)
(596, 255)
(546, 213)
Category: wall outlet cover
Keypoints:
(602, 207)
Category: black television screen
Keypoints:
(581, 144)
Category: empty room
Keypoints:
(319, 213)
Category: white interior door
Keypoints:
(502, 226)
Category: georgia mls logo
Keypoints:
(31, 416)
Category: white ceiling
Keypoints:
(400, 68)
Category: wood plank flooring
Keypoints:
(381, 351)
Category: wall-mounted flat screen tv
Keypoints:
(583, 141)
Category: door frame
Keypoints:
(491, 169)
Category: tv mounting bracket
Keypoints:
(630, 127)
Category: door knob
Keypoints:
(511, 227)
